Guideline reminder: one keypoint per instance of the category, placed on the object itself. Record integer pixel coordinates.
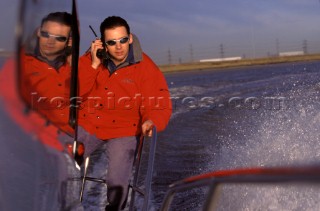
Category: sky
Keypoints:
(175, 31)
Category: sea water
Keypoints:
(262, 116)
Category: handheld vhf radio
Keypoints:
(101, 53)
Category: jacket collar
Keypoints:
(56, 63)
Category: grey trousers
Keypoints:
(111, 160)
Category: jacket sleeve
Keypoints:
(156, 105)
(87, 75)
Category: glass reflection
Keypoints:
(46, 69)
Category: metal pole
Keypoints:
(136, 174)
(86, 164)
(152, 151)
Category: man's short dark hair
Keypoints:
(112, 22)
(59, 17)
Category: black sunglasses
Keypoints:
(58, 38)
(113, 42)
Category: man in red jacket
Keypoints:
(128, 97)
(44, 82)
(45, 75)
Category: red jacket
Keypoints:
(30, 122)
(119, 103)
(47, 90)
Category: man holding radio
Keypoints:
(131, 97)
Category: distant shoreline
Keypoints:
(6, 54)
(195, 66)
(221, 65)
